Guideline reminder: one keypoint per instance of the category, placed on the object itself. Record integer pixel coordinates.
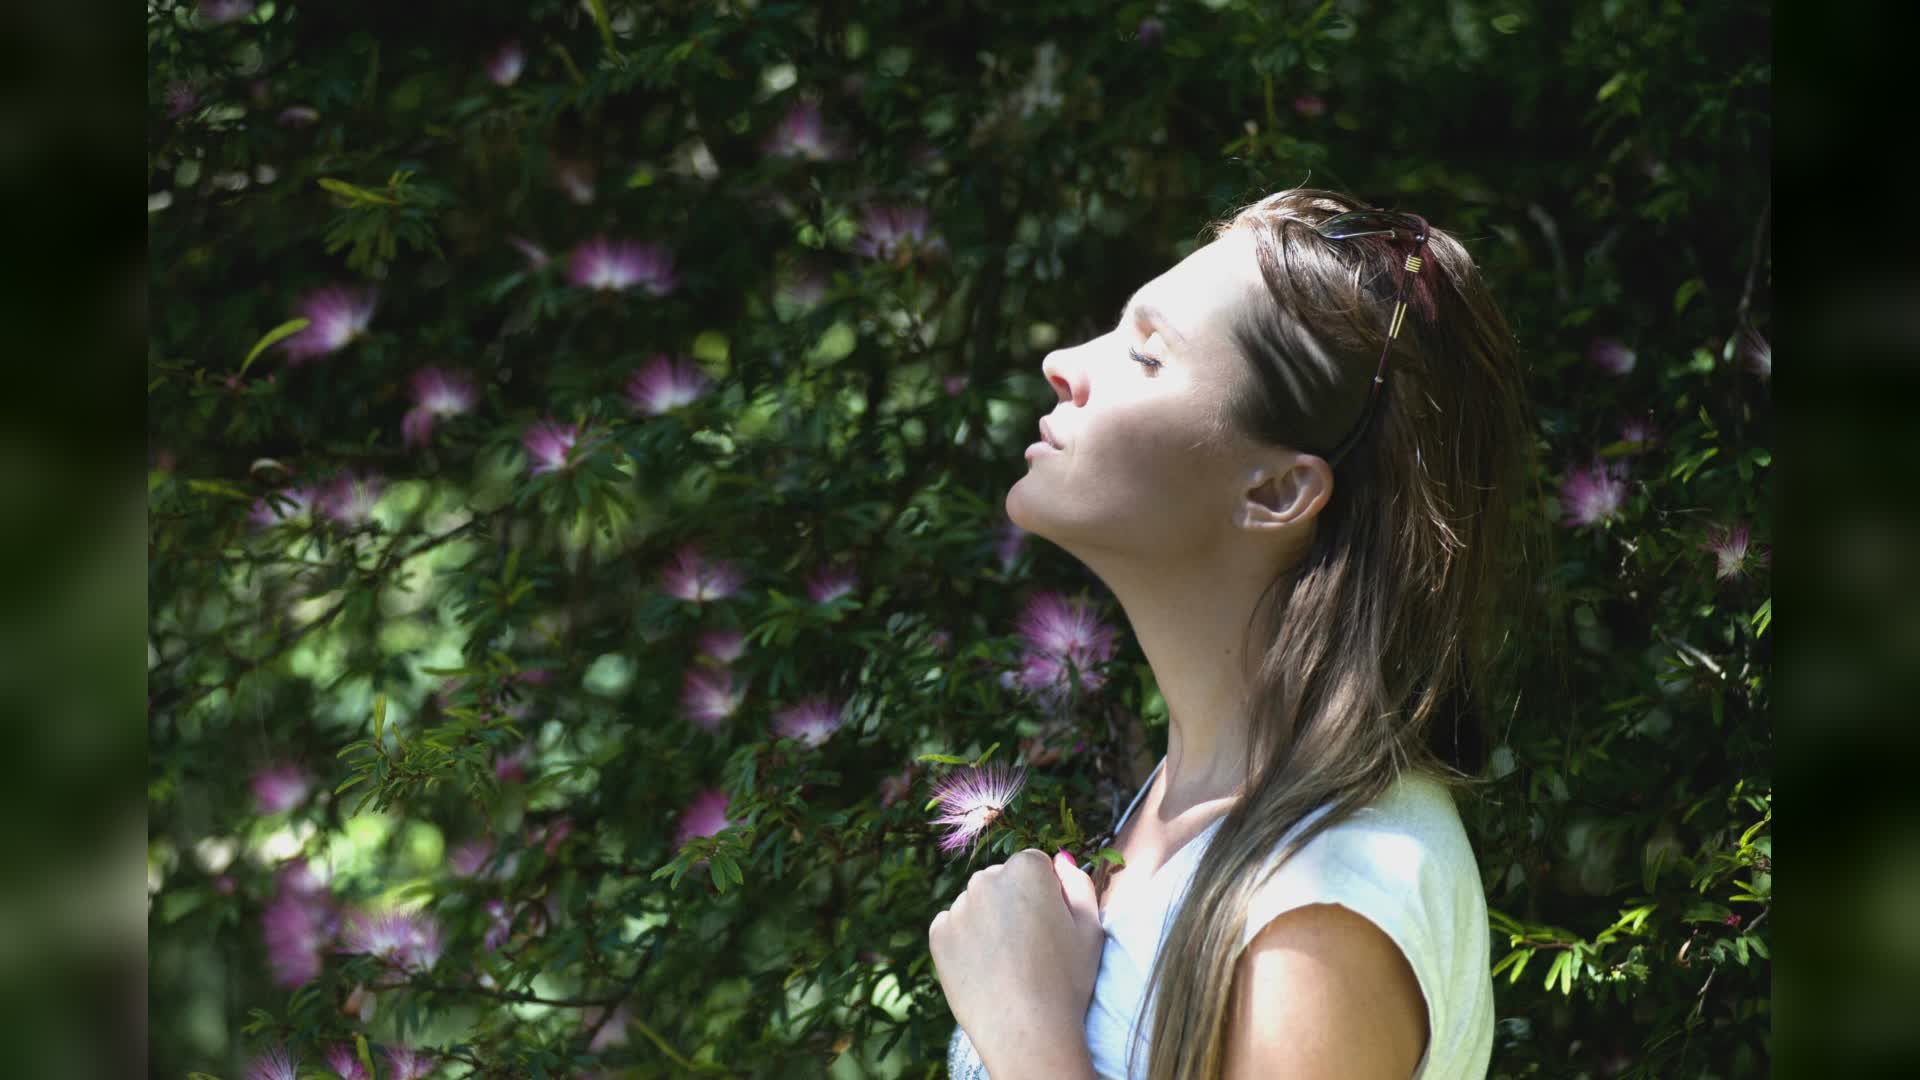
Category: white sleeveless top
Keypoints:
(1403, 863)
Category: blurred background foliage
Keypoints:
(450, 687)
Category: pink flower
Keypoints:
(181, 99)
(337, 315)
(298, 116)
(551, 835)
(499, 926)
(344, 1060)
(608, 1031)
(1150, 31)
(705, 816)
(404, 1063)
(693, 579)
(436, 393)
(831, 583)
(576, 179)
(537, 257)
(802, 134)
(297, 925)
(1729, 545)
(1057, 626)
(895, 787)
(954, 384)
(1013, 541)
(1593, 495)
(470, 858)
(350, 498)
(275, 1064)
(221, 12)
(512, 768)
(506, 65)
(287, 504)
(1640, 432)
(1610, 355)
(280, 788)
(407, 940)
(548, 444)
(1310, 106)
(666, 384)
(722, 646)
(614, 267)
(1756, 354)
(812, 721)
(971, 799)
(710, 697)
(896, 234)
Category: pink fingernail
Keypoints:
(1067, 855)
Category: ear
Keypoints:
(1286, 495)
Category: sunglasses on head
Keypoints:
(1398, 227)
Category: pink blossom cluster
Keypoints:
(403, 1062)
(693, 578)
(609, 266)
(1592, 495)
(1610, 355)
(812, 721)
(705, 816)
(1062, 637)
(712, 693)
(279, 788)
(506, 64)
(897, 235)
(437, 394)
(666, 383)
(337, 316)
(408, 941)
(549, 443)
(972, 799)
(1733, 550)
(803, 133)
(299, 922)
(830, 583)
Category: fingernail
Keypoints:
(1063, 853)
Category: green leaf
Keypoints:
(366, 1055)
(1612, 87)
(216, 487)
(357, 195)
(1685, 294)
(944, 759)
(279, 333)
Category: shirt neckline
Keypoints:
(1153, 879)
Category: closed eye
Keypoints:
(1149, 361)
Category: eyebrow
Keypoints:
(1155, 316)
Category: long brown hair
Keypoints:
(1382, 642)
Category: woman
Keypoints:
(1294, 462)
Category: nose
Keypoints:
(1056, 371)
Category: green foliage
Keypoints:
(481, 676)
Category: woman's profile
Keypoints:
(1296, 462)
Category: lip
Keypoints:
(1047, 434)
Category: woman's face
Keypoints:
(1138, 462)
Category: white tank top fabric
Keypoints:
(1404, 863)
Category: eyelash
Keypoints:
(1149, 361)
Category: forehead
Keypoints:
(1203, 292)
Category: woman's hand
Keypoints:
(1018, 951)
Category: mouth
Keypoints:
(1047, 434)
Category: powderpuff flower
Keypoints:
(722, 646)
(350, 498)
(692, 578)
(505, 66)
(344, 1060)
(1729, 545)
(470, 858)
(1756, 354)
(405, 1063)
(812, 721)
(972, 799)
(615, 267)
(499, 926)
(280, 788)
(575, 178)
(1150, 31)
(548, 444)
(1593, 495)
(1610, 355)
(665, 384)
(409, 941)
(706, 815)
(1310, 106)
(831, 583)
(436, 393)
(1056, 626)
(608, 1031)
(512, 768)
(895, 787)
(181, 99)
(287, 504)
(297, 925)
(1639, 432)
(710, 697)
(896, 234)
(537, 257)
(336, 316)
(222, 12)
(1012, 541)
(803, 134)
(275, 1064)
(298, 116)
